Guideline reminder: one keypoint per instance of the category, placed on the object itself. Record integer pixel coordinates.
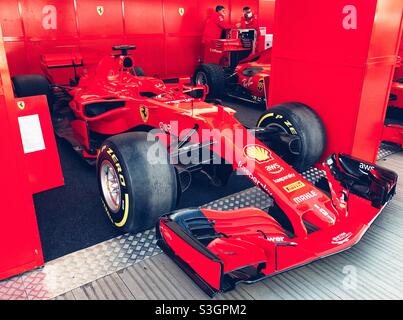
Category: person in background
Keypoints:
(215, 25)
(249, 20)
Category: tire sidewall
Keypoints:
(150, 189)
(121, 218)
(312, 137)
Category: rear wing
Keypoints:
(51, 65)
(61, 60)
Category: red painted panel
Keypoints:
(182, 62)
(20, 246)
(266, 14)
(143, 17)
(178, 21)
(342, 72)
(10, 19)
(99, 18)
(17, 57)
(49, 19)
(94, 50)
(149, 54)
(44, 169)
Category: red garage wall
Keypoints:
(168, 44)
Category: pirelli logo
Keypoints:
(294, 186)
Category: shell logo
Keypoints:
(258, 153)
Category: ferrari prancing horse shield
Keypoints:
(100, 10)
(144, 113)
(181, 11)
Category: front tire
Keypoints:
(135, 192)
(299, 120)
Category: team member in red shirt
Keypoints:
(215, 25)
(249, 20)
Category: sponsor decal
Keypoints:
(100, 10)
(275, 239)
(144, 113)
(294, 186)
(274, 168)
(309, 195)
(125, 202)
(252, 177)
(366, 167)
(215, 51)
(342, 238)
(181, 11)
(285, 178)
(21, 105)
(258, 153)
(116, 161)
(247, 82)
(257, 99)
(260, 85)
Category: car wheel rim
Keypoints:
(111, 186)
(294, 150)
(201, 78)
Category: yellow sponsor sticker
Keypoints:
(294, 186)
(258, 153)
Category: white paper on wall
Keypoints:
(31, 133)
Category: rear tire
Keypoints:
(139, 72)
(33, 85)
(298, 119)
(141, 191)
(212, 75)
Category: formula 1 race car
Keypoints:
(148, 136)
(232, 67)
(109, 111)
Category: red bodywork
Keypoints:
(248, 245)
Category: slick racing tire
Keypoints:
(213, 76)
(135, 191)
(33, 85)
(299, 120)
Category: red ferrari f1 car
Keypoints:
(142, 131)
(106, 112)
(231, 67)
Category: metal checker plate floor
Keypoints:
(113, 269)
